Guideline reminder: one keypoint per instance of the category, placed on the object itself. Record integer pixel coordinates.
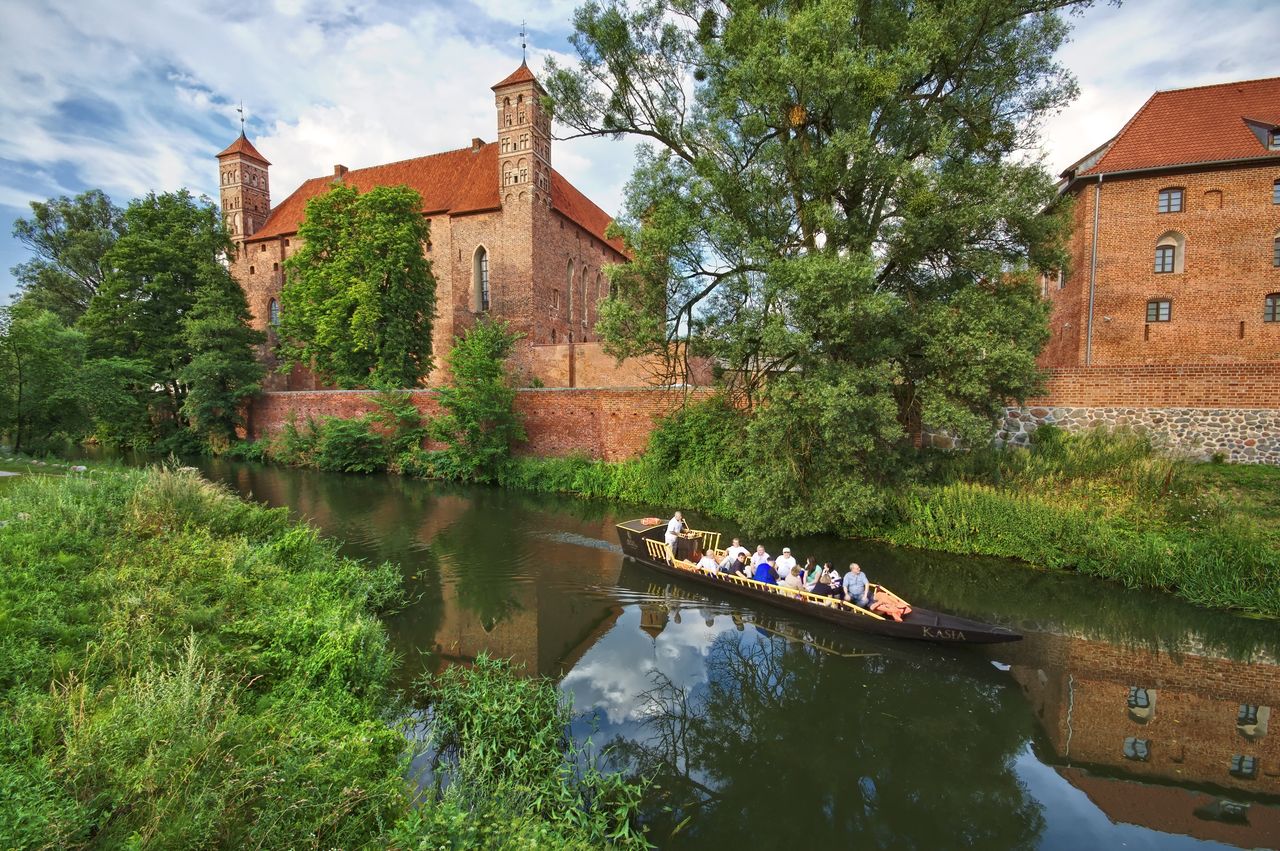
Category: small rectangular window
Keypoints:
(1244, 767)
(1164, 259)
(1271, 308)
(1275, 252)
(1275, 192)
(1169, 201)
(1138, 750)
(1158, 310)
(1248, 714)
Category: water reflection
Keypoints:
(1123, 718)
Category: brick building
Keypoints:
(509, 236)
(1175, 246)
(1168, 315)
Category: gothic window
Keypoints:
(273, 313)
(1169, 201)
(1170, 253)
(1271, 308)
(570, 291)
(480, 280)
(524, 171)
(506, 174)
(1158, 310)
(506, 111)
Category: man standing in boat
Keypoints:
(674, 527)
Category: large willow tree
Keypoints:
(837, 203)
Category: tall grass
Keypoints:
(181, 669)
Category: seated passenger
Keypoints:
(766, 573)
(810, 571)
(794, 580)
(736, 565)
(708, 563)
(855, 586)
(785, 563)
(735, 548)
(760, 555)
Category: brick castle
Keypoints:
(1167, 318)
(509, 237)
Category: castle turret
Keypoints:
(242, 188)
(524, 137)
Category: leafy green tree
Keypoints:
(835, 202)
(39, 357)
(70, 237)
(170, 257)
(223, 372)
(481, 424)
(359, 297)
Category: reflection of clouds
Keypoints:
(612, 675)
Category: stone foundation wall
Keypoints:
(1242, 435)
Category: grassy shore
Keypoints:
(180, 669)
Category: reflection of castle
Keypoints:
(1183, 720)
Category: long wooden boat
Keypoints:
(644, 540)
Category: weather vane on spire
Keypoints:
(240, 109)
(523, 40)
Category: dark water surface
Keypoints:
(1124, 719)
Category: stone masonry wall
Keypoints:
(610, 424)
(1246, 435)
(1196, 409)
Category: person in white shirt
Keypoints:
(708, 563)
(674, 527)
(736, 548)
(759, 555)
(785, 563)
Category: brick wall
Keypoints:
(1203, 385)
(1228, 223)
(610, 424)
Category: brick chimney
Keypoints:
(339, 172)
(476, 143)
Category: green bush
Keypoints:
(349, 446)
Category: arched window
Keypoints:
(480, 280)
(1271, 308)
(570, 290)
(507, 174)
(523, 171)
(1170, 253)
(1159, 310)
(273, 313)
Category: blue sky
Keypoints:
(137, 96)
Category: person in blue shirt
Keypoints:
(765, 573)
(855, 586)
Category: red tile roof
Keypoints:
(520, 75)
(244, 146)
(1197, 125)
(454, 182)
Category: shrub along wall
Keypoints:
(609, 424)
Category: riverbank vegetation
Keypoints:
(1106, 504)
(179, 668)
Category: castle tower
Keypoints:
(242, 188)
(524, 138)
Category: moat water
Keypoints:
(1123, 719)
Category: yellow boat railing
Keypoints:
(770, 588)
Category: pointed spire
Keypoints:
(242, 145)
